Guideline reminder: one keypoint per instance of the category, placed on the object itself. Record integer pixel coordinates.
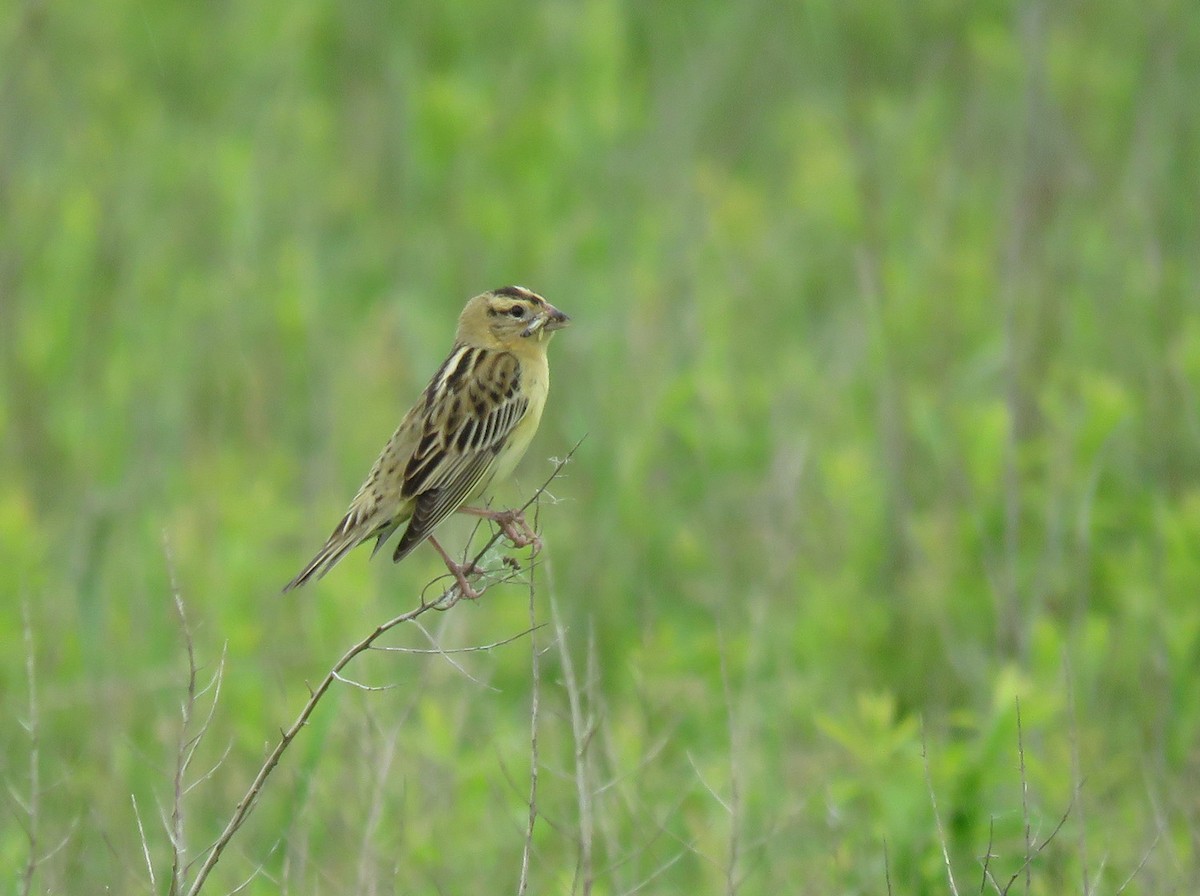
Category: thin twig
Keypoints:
(657, 872)
(257, 872)
(1037, 850)
(383, 768)
(186, 749)
(1024, 799)
(734, 808)
(712, 791)
(648, 843)
(1140, 865)
(446, 654)
(581, 735)
(648, 757)
(988, 855)
(443, 651)
(145, 846)
(364, 687)
(887, 868)
(936, 816)
(32, 808)
(247, 803)
(1076, 773)
(200, 779)
(1032, 848)
(535, 696)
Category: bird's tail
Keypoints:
(344, 539)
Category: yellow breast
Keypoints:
(535, 384)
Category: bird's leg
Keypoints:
(512, 524)
(460, 571)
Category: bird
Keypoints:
(468, 429)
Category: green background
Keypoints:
(886, 351)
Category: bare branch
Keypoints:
(250, 799)
(1140, 865)
(363, 687)
(887, 868)
(988, 855)
(1037, 849)
(1076, 774)
(580, 729)
(214, 685)
(444, 651)
(32, 808)
(383, 768)
(1032, 848)
(661, 869)
(259, 871)
(200, 779)
(145, 846)
(247, 803)
(712, 791)
(936, 816)
(535, 695)
(734, 808)
(449, 659)
(186, 747)
(1024, 798)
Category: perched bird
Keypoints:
(469, 428)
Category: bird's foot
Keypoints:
(513, 524)
(462, 573)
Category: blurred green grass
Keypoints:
(886, 353)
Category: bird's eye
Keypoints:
(517, 311)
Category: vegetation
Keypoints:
(885, 361)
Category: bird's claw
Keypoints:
(512, 523)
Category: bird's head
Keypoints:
(509, 317)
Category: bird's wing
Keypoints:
(445, 446)
(471, 412)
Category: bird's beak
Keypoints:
(555, 319)
(548, 320)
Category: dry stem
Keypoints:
(247, 803)
(536, 673)
(33, 807)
